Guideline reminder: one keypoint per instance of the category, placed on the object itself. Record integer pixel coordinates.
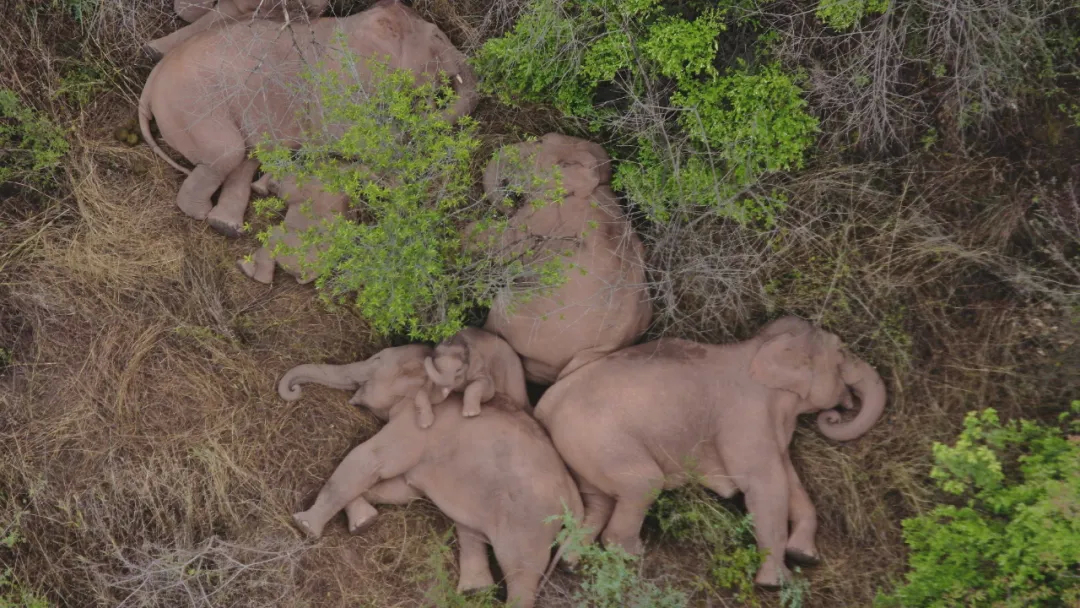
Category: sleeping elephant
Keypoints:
(651, 416)
(496, 476)
(203, 15)
(308, 206)
(477, 364)
(603, 305)
(212, 103)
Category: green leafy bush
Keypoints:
(1014, 538)
(13, 594)
(843, 14)
(407, 171)
(614, 63)
(31, 146)
(610, 577)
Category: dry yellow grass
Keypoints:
(148, 461)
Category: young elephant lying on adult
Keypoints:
(478, 364)
(218, 94)
(604, 304)
(203, 15)
(308, 206)
(649, 416)
(497, 476)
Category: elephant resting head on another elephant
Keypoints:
(497, 476)
(478, 364)
(603, 305)
(652, 416)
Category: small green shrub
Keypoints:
(407, 172)
(31, 146)
(14, 594)
(610, 63)
(1014, 539)
(693, 518)
(844, 14)
(611, 578)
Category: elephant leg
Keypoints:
(386, 455)
(473, 560)
(228, 216)
(260, 267)
(766, 489)
(523, 564)
(194, 196)
(361, 513)
(261, 186)
(801, 548)
(581, 358)
(159, 47)
(642, 485)
(598, 508)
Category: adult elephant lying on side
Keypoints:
(603, 305)
(651, 416)
(203, 15)
(213, 103)
(496, 475)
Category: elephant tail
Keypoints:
(145, 114)
(577, 508)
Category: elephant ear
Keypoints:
(580, 172)
(784, 362)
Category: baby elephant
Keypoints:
(309, 206)
(651, 416)
(477, 363)
(497, 476)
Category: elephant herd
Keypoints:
(619, 422)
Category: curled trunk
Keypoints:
(334, 376)
(435, 375)
(867, 385)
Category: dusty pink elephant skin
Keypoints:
(604, 303)
(308, 206)
(478, 364)
(651, 416)
(497, 476)
(203, 15)
(212, 103)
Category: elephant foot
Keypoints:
(425, 418)
(470, 412)
(253, 270)
(261, 186)
(304, 523)
(633, 545)
(227, 226)
(474, 588)
(770, 577)
(800, 557)
(361, 516)
(152, 52)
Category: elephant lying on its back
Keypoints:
(604, 303)
(496, 475)
(221, 92)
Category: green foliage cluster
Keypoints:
(1014, 538)
(739, 122)
(844, 14)
(31, 146)
(407, 171)
(443, 591)
(610, 577)
(14, 594)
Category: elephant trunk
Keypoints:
(435, 375)
(334, 376)
(867, 385)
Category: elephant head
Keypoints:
(391, 377)
(795, 356)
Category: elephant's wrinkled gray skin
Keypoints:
(477, 364)
(647, 417)
(308, 206)
(496, 476)
(604, 303)
(203, 15)
(213, 103)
